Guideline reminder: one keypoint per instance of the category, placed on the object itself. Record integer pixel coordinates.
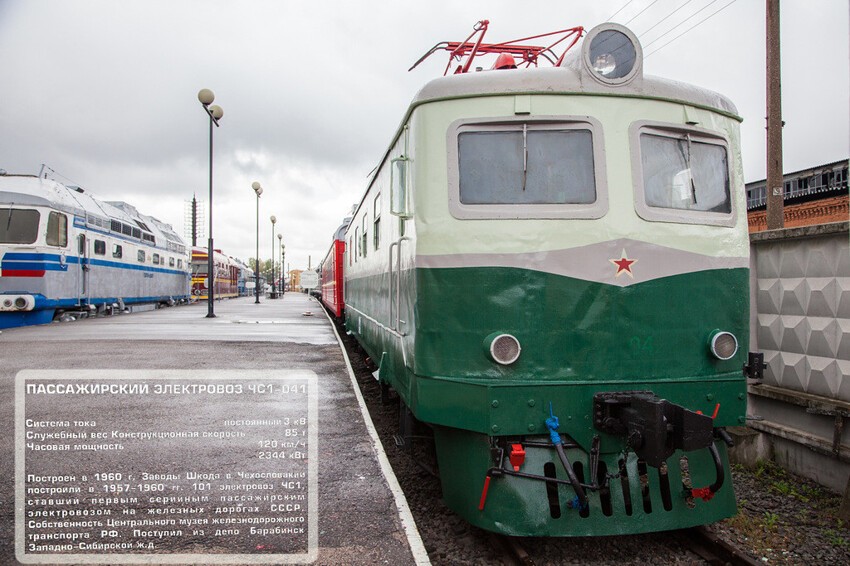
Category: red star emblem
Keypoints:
(624, 265)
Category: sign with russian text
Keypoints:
(203, 467)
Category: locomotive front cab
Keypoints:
(34, 240)
(551, 268)
(579, 302)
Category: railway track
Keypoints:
(699, 540)
(512, 550)
(713, 550)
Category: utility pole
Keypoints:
(194, 221)
(774, 185)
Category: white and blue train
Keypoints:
(62, 251)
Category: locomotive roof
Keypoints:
(568, 80)
(34, 191)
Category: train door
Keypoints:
(399, 207)
(396, 322)
(84, 269)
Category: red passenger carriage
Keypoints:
(330, 272)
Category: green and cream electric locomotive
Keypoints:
(550, 267)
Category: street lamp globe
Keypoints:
(206, 96)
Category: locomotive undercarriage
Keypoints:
(664, 473)
(523, 489)
(653, 429)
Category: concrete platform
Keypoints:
(362, 516)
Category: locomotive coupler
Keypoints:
(654, 427)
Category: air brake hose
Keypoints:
(552, 425)
(706, 493)
(718, 466)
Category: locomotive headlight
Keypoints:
(18, 303)
(723, 344)
(612, 54)
(604, 64)
(502, 348)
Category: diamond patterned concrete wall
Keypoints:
(803, 313)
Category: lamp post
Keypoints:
(280, 283)
(273, 218)
(206, 97)
(282, 272)
(259, 190)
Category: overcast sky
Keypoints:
(105, 92)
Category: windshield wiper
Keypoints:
(691, 173)
(687, 157)
(9, 219)
(524, 154)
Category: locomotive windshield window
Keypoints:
(523, 165)
(684, 174)
(18, 226)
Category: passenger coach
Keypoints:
(64, 252)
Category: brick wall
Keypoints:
(824, 211)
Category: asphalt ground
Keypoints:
(362, 515)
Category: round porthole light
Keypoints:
(502, 348)
(724, 345)
(612, 53)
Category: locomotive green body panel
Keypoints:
(577, 339)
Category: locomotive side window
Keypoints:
(376, 224)
(18, 226)
(117, 251)
(140, 256)
(550, 168)
(99, 247)
(399, 181)
(57, 230)
(682, 176)
(365, 244)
